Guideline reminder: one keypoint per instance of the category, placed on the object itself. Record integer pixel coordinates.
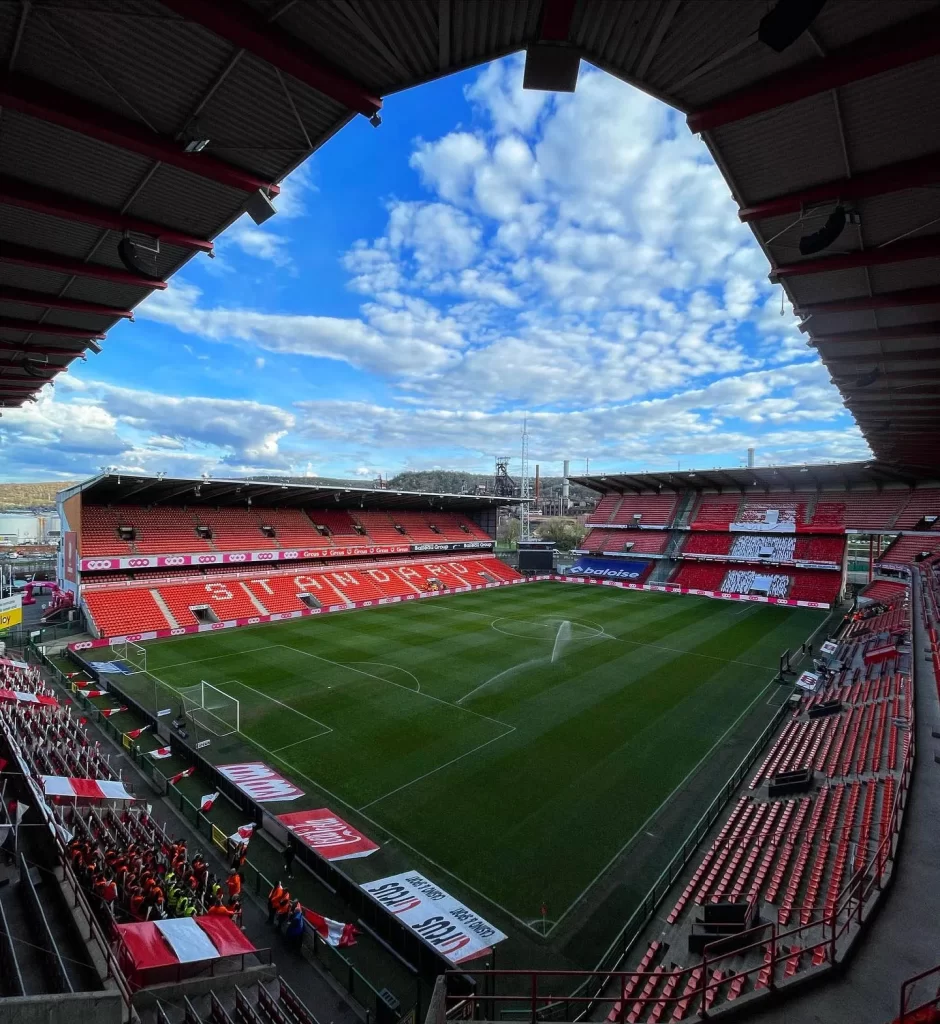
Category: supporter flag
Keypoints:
(134, 733)
(333, 933)
(95, 693)
(243, 834)
(181, 775)
(160, 753)
(108, 712)
(205, 804)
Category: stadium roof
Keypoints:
(134, 489)
(93, 142)
(827, 476)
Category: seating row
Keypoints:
(173, 530)
(167, 605)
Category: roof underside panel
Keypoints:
(783, 129)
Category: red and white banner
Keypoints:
(261, 783)
(160, 753)
(25, 697)
(327, 834)
(205, 804)
(333, 933)
(441, 921)
(292, 555)
(150, 946)
(243, 834)
(84, 789)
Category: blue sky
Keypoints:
(485, 252)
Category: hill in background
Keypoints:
(31, 495)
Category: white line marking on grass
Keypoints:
(390, 834)
(217, 657)
(643, 827)
(439, 768)
(382, 828)
(391, 682)
(316, 721)
(398, 668)
(306, 739)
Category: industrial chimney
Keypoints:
(537, 491)
(564, 487)
(750, 458)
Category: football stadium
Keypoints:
(281, 751)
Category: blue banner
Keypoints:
(609, 568)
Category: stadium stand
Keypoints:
(809, 548)
(860, 510)
(783, 507)
(125, 611)
(234, 529)
(812, 585)
(922, 502)
(884, 590)
(606, 508)
(338, 523)
(240, 592)
(802, 859)
(908, 546)
(698, 576)
(292, 528)
(708, 544)
(648, 542)
(653, 509)
(380, 528)
(715, 511)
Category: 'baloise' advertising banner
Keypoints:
(444, 923)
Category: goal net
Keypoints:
(131, 654)
(212, 708)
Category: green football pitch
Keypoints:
(512, 742)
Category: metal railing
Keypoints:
(908, 1014)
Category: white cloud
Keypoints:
(255, 241)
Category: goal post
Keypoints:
(130, 653)
(212, 708)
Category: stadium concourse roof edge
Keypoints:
(139, 489)
(871, 474)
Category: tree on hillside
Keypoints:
(566, 533)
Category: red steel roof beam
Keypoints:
(42, 260)
(929, 296)
(37, 99)
(8, 323)
(58, 204)
(900, 252)
(912, 40)
(903, 332)
(29, 298)
(924, 170)
(242, 27)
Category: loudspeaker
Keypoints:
(826, 235)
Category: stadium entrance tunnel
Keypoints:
(547, 629)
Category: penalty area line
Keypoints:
(274, 700)
(439, 768)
